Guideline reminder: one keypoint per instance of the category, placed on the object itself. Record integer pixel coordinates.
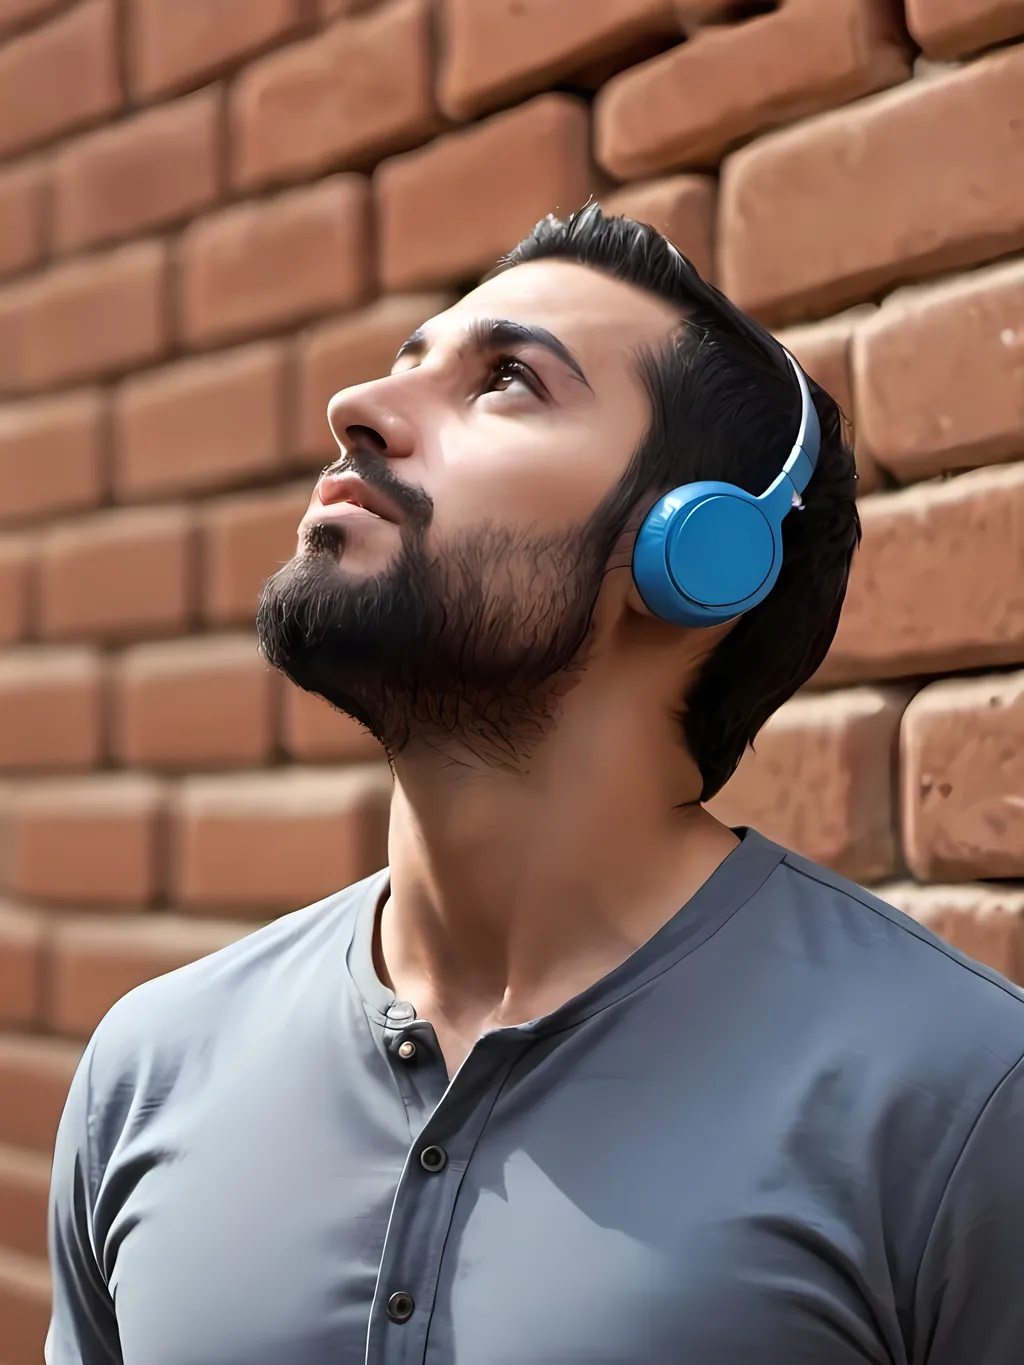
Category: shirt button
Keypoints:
(407, 1051)
(400, 1306)
(433, 1159)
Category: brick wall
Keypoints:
(214, 214)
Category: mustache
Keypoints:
(414, 503)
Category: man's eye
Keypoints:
(506, 371)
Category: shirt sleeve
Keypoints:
(969, 1300)
(83, 1328)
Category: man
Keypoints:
(581, 1075)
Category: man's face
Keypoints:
(498, 451)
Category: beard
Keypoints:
(474, 643)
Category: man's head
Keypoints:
(514, 450)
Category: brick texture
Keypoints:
(176, 43)
(963, 775)
(200, 703)
(263, 844)
(682, 207)
(17, 563)
(22, 206)
(985, 922)
(51, 709)
(342, 99)
(153, 169)
(97, 960)
(15, 12)
(24, 1183)
(21, 976)
(833, 210)
(822, 781)
(90, 841)
(263, 265)
(35, 1074)
(24, 1306)
(940, 375)
(353, 350)
(448, 211)
(201, 424)
(94, 316)
(245, 539)
(51, 455)
(60, 76)
(313, 732)
(954, 28)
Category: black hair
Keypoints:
(725, 405)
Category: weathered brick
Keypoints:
(256, 266)
(51, 455)
(176, 43)
(95, 315)
(314, 732)
(822, 780)
(24, 1185)
(60, 76)
(204, 703)
(245, 539)
(681, 207)
(35, 1074)
(353, 350)
(925, 178)
(985, 922)
(936, 585)
(21, 974)
(17, 562)
(94, 961)
(24, 1306)
(155, 168)
(955, 28)
(201, 424)
(118, 574)
(22, 200)
(87, 841)
(51, 708)
(270, 843)
(687, 106)
(962, 765)
(824, 349)
(940, 375)
(449, 210)
(345, 98)
(499, 52)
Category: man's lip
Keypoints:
(349, 489)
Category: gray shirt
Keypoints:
(788, 1130)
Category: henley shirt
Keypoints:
(787, 1130)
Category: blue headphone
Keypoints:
(707, 552)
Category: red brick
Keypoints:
(88, 841)
(97, 960)
(962, 764)
(922, 179)
(687, 106)
(269, 843)
(245, 539)
(825, 349)
(343, 99)
(940, 375)
(22, 202)
(14, 12)
(201, 424)
(681, 207)
(314, 732)
(936, 585)
(24, 1186)
(985, 922)
(24, 1307)
(60, 76)
(496, 53)
(152, 169)
(449, 210)
(51, 455)
(96, 315)
(202, 703)
(176, 43)
(822, 779)
(257, 266)
(353, 350)
(17, 562)
(118, 574)
(51, 709)
(955, 28)
(21, 973)
(35, 1075)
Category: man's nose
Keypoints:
(360, 419)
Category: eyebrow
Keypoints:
(489, 334)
